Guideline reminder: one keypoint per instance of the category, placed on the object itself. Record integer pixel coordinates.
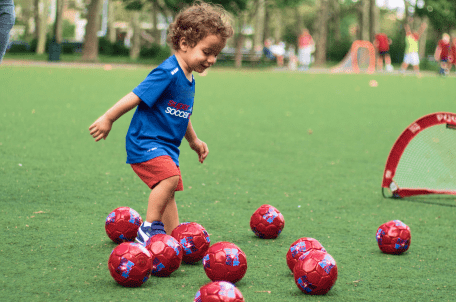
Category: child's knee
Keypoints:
(172, 182)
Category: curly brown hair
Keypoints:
(197, 22)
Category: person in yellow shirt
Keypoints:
(411, 56)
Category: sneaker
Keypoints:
(145, 232)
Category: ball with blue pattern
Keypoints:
(393, 237)
(267, 222)
(225, 261)
(219, 291)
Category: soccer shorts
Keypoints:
(382, 54)
(412, 58)
(157, 169)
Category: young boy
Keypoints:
(411, 48)
(382, 43)
(442, 52)
(164, 102)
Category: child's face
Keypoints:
(204, 54)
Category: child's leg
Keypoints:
(404, 66)
(379, 63)
(170, 216)
(388, 59)
(159, 197)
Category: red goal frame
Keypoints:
(398, 149)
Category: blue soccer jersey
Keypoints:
(161, 118)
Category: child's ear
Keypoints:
(183, 45)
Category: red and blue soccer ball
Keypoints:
(393, 237)
(166, 254)
(299, 247)
(219, 291)
(194, 240)
(130, 264)
(267, 222)
(225, 261)
(122, 224)
(315, 272)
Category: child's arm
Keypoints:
(101, 127)
(195, 143)
(437, 52)
(422, 28)
(408, 31)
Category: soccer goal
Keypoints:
(360, 58)
(423, 158)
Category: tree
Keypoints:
(441, 14)
(90, 46)
(41, 15)
(60, 4)
(322, 32)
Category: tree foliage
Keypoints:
(441, 13)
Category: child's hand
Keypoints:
(200, 147)
(100, 128)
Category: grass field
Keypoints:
(312, 145)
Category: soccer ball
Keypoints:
(122, 224)
(301, 246)
(393, 237)
(267, 222)
(218, 291)
(194, 240)
(130, 264)
(166, 254)
(225, 261)
(315, 272)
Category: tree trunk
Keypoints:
(43, 8)
(136, 39)
(259, 26)
(90, 47)
(60, 4)
(422, 42)
(278, 26)
(336, 20)
(155, 30)
(374, 20)
(267, 18)
(365, 16)
(322, 33)
(111, 29)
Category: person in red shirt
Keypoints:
(306, 47)
(441, 53)
(381, 44)
(452, 55)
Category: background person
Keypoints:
(381, 44)
(411, 56)
(442, 51)
(452, 56)
(7, 19)
(306, 48)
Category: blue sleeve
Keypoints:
(150, 90)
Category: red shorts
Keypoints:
(157, 169)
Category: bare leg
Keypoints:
(379, 63)
(159, 197)
(170, 216)
(388, 60)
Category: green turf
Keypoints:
(313, 145)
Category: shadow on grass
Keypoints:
(438, 200)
